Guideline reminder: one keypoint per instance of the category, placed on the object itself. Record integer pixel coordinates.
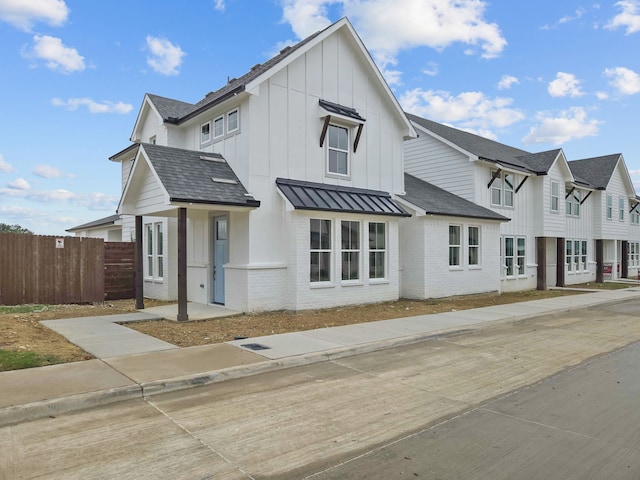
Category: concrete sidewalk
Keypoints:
(52, 390)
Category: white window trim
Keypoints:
(203, 140)
(556, 197)
(154, 257)
(573, 202)
(458, 246)
(609, 207)
(576, 261)
(515, 256)
(384, 278)
(229, 113)
(323, 283)
(621, 209)
(358, 280)
(329, 148)
(478, 265)
(214, 122)
(503, 189)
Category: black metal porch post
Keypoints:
(139, 284)
(182, 265)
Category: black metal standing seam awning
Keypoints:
(332, 198)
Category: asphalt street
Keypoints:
(511, 400)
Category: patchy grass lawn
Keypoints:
(25, 343)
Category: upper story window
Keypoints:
(232, 121)
(609, 207)
(621, 209)
(338, 150)
(555, 196)
(635, 216)
(218, 127)
(152, 140)
(205, 132)
(572, 202)
(502, 193)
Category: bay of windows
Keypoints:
(576, 255)
(634, 254)
(572, 202)
(351, 250)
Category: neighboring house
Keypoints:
(450, 246)
(614, 215)
(275, 191)
(556, 208)
(108, 228)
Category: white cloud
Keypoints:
(602, 95)
(571, 124)
(5, 166)
(23, 14)
(218, 5)
(19, 184)
(629, 18)
(565, 85)
(93, 107)
(626, 81)
(469, 110)
(47, 171)
(165, 58)
(92, 201)
(431, 69)
(568, 18)
(507, 81)
(635, 172)
(57, 57)
(389, 26)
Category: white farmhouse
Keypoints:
(275, 191)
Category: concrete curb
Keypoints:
(52, 407)
(57, 406)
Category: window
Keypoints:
(320, 249)
(159, 251)
(350, 245)
(205, 132)
(502, 189)
(634, 254)
(154, 250)
(514, 256)
(609, 207)
(572, 202)
(232, 121)
(377, 249)
(554, 196)
(152, 140)
(218, 127)
(635, 216)
(474, 245)
(454, 245)
(576, 255)
(621, 209)
(338, 150)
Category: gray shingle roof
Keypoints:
(174, 111)
(540, 162)
(436, 201)
(110, 220)
(596, 171)
(333, 198)
(477, 145)
(188, 175)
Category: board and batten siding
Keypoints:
(614, 228)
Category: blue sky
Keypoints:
(534, 75)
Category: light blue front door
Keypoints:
(220, 257)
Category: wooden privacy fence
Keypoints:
(57, 270)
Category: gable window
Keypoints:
(320, 250)
(514, 256)
(474, 245)
(454, 245)
(205, 132)
(350, 245)
(232, 121)
(338, 150)
(218, 127)
(377, 249)
(502, 193)
(154, 251)
(555, 199)
(621, 209)
(152, 140)
(609, 207)
(572, 202)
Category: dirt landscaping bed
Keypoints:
(21, 332)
